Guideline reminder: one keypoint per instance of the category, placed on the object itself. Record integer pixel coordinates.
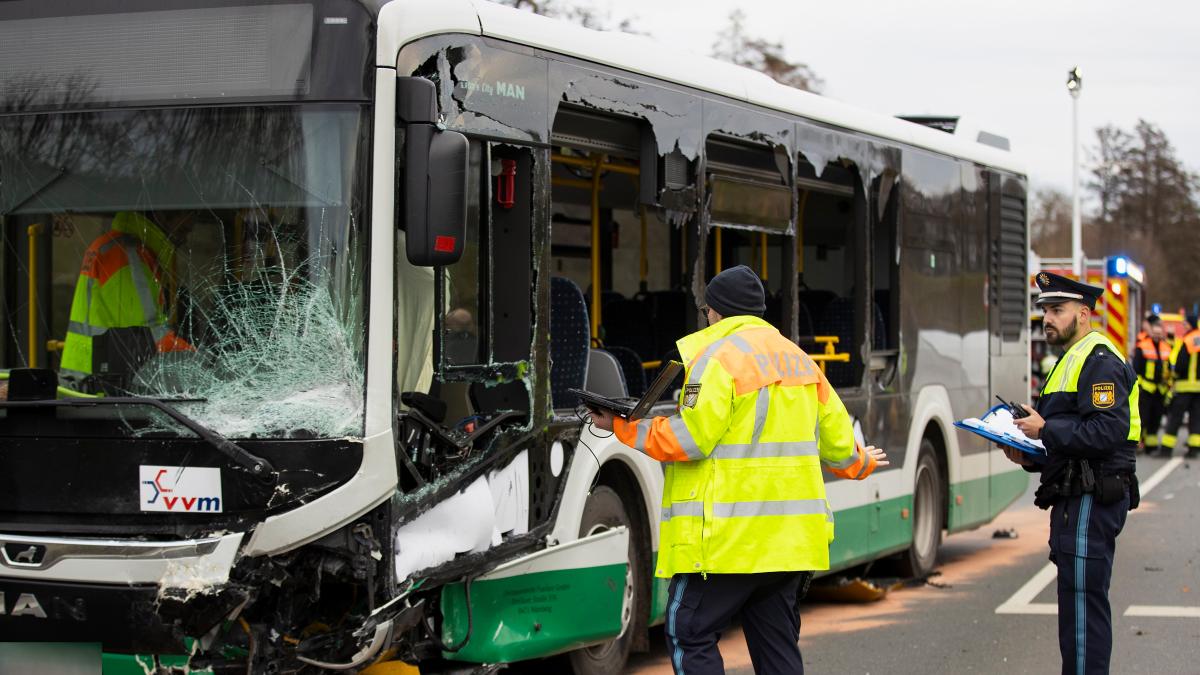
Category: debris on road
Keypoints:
(844, 589)
(1005, 533)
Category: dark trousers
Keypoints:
(699, 609)
(1083, 540)
(1151, 408)
(1183, 403)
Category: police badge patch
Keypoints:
(1104, 395)
(691, 392)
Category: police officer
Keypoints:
(1185, 392)
(1087, 417)
(1151, 362)
(744, 516)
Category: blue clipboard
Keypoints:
(1036, 453)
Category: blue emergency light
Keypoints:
(1120, 266)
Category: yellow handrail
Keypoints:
(649, 365)
(829, 353)
(763, 244)
(33, 231)
(596, 162)
(571, 182)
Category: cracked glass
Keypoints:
(213, 257)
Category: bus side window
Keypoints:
(486, 307)
(831, 228)
(463, 329)
(510, 207)
(885, 276)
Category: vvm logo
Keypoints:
(180, 489)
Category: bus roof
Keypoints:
(403, 21)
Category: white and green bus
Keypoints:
(410, 228)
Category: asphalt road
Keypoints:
(953, 624)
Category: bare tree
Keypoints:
(1050, 224)
(1107, 161)
(736, 46)
(1148, 209)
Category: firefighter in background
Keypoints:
(1151, 362)
(125, 282)
(1185, 391)
(745, 521)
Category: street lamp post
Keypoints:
(1074, 85)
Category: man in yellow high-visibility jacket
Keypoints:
(1185, 391)
(123, 283)
(744, 521)
(1151, 362)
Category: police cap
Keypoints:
(1056, 289)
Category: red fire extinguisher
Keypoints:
(506, 191)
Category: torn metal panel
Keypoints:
(482, 89)
(821, 145)
(738, 121)
(675, 116)
(473, 520)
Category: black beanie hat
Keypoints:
(736, 292)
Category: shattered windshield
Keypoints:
(210, 256)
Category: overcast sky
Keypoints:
(1004, 64)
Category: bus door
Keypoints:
(1008, 312)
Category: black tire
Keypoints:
(928, 514)
(605, 510)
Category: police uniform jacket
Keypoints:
(1089, 402)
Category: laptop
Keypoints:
(623, 408)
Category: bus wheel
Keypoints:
(602, 511)
(928, 516)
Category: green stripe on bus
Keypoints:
(534, 615)
(131, 664)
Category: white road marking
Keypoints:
(1159, 475)
(1021, 602)
(1163, 611)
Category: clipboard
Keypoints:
(1038, 454)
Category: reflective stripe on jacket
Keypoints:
(1184, 358)
(1151, 361)
(120, 286)
(1095, 405)
(744, 491)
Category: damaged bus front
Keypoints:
(183, 312)
(215, 348)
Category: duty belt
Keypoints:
(1078, 478)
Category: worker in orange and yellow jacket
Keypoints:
(1185, 391)
(124, 284)
(745, 521)
(1152, 363)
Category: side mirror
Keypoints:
(435, 178)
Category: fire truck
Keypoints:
(1118, 313)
